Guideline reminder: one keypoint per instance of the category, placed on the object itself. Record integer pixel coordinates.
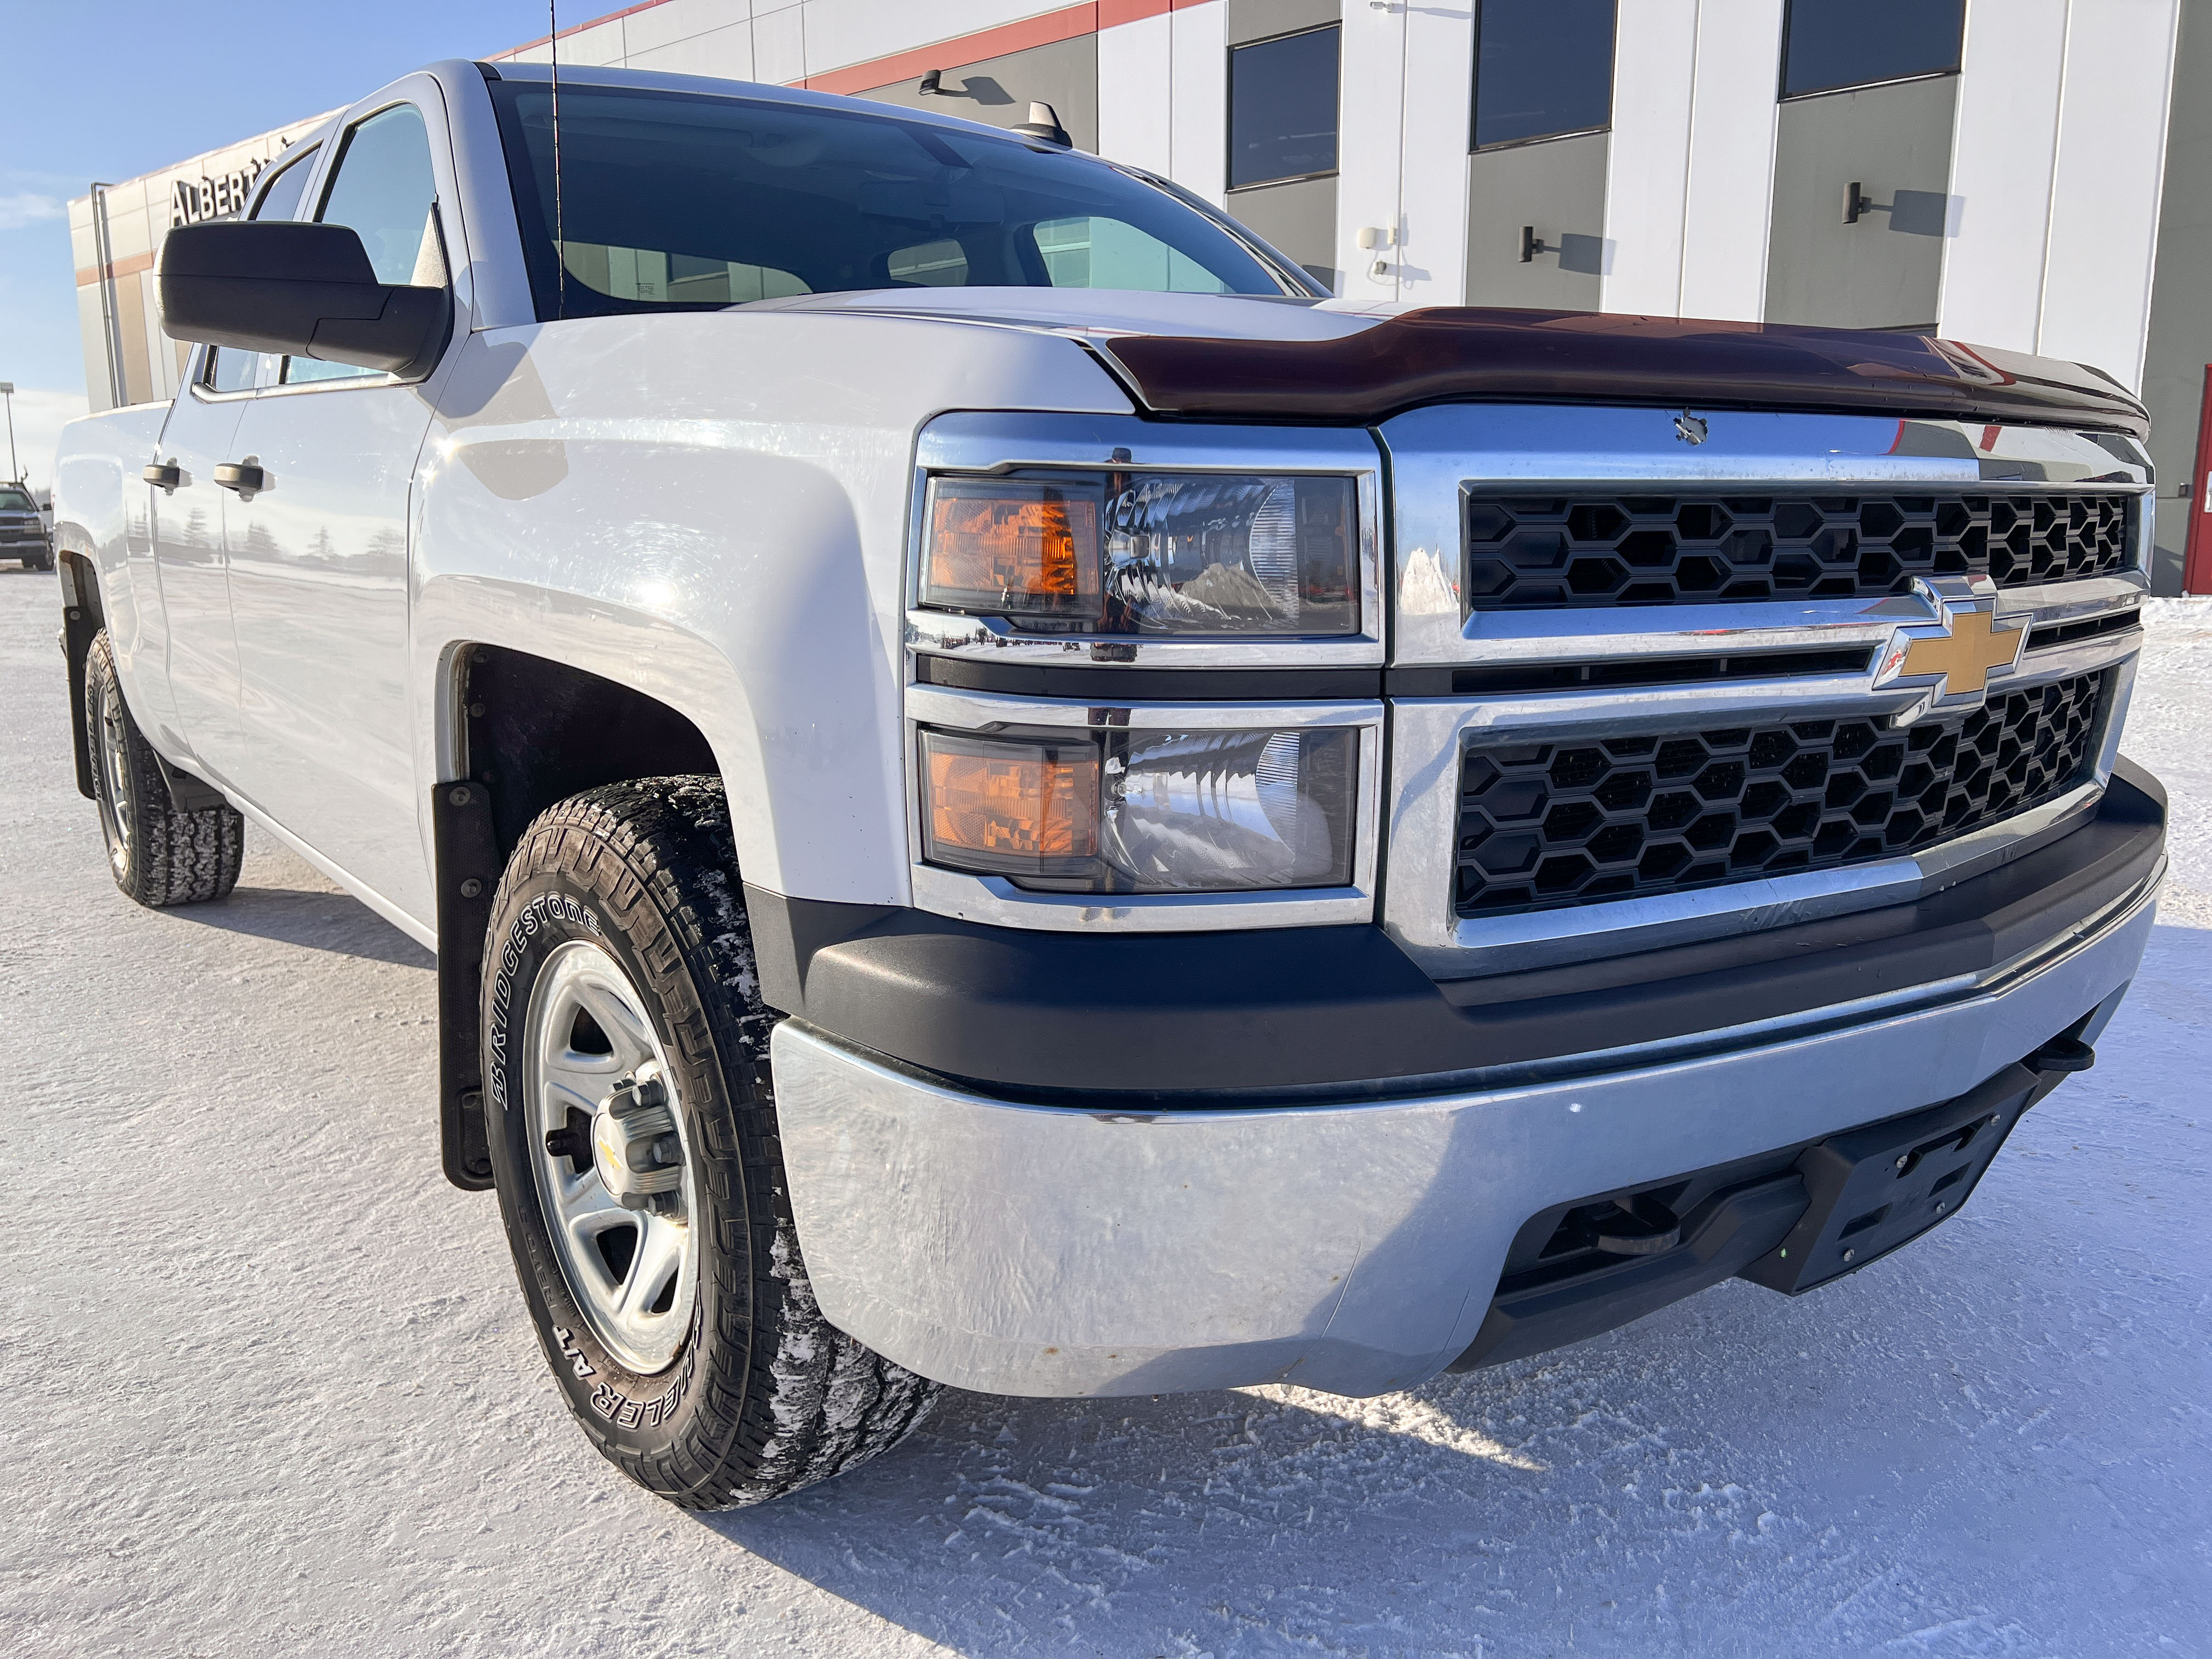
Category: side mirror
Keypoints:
(281, 286)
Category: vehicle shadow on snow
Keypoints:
(1727, 1469)
(325, 921)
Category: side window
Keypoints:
(1093, 252)
(1828, 45)
(1543, 69)
(281, 200)
(656, 276)
(1282, 108)
(229, 369)
(383, 188)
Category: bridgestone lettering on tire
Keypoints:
(159, 853)
(623, 905)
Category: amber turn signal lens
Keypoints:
(1011, 546)
(1023, 808)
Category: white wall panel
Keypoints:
(1728, 195)
(1371, 135)
(779, 45)
(1198, 46)
(726, 52)
(1439, 81)
(2105, 189)
(672, 21)
(1136, 100)
(1648, 166)
(599, 45)
(854, 31)
(2001, 153)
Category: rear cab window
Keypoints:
(227, 369)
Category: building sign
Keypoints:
(192, 200)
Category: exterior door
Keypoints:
(201, 664)
(319, 554)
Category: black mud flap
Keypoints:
(1876, 1188)
(468, 871)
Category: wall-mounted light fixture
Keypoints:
(1532, 245)
(1856, 202)
(1374, 236)
(933, 83)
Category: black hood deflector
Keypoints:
(1465, 355)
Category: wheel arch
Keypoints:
(519, 732)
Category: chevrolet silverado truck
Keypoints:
(1009, 796)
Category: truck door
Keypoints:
(318, 553)
(201, 664)
(190, 522)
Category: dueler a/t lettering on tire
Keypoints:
(160, 853)
(634, 1145)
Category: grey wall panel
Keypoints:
(1298, 219)
(1256, 20)
(998, 90)
(2181, 299)
(1885, 270)
(1558, 187)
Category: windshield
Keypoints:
(676, 201)
(15, 501)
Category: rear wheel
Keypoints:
(634, 1142)
(159, 853)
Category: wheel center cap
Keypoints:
(634, 1145)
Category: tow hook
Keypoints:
(2062, 1054)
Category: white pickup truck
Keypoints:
(952, 720)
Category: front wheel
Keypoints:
(160, 853)
(634, 1145)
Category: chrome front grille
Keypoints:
(1647, 682)
(1606, 545)
(1554, 823)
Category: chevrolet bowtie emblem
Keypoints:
(1956, 654)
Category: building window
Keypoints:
(1282, 108)
(1830, 45)
(1542, 68)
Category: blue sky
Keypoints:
(101, 90)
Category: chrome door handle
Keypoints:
(164, 474)
(245, 476)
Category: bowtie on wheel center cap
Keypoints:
(635, 1147)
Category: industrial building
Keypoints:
(2016, 174)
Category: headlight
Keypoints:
(1146, 553)
(1144, 811)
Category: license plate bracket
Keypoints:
(1875, 1188)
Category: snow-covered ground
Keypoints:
(268, 1388)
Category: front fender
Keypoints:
(710, 508)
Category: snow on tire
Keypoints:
(633, 1135)
(160, 853)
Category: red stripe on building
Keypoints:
(1069, 23)
(1049, 28)
(130, 266)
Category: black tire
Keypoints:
(159, 853)
(764, 1396)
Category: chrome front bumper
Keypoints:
(1046, 1251)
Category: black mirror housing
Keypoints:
(279, 285)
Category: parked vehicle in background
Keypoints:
(23, 528)
(1009, 797)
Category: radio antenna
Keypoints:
(560, 230)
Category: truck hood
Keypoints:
(1210, 356)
